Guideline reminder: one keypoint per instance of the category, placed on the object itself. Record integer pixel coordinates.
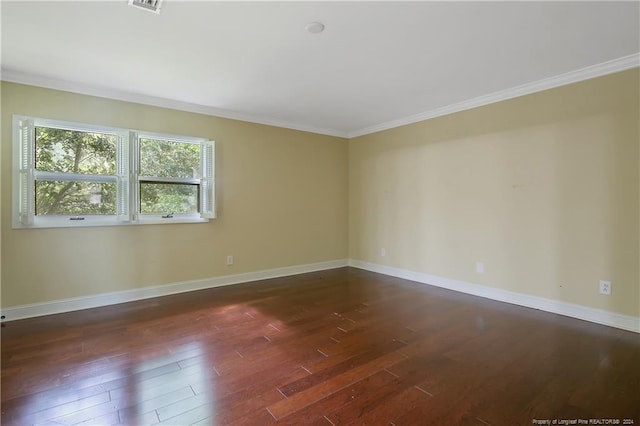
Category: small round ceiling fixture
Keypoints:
(314, 27)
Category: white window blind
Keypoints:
(24, 133)
(207, 181)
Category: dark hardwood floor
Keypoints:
(336, 347)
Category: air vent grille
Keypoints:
(150, 5)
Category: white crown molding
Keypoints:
(598, 70)
(13, 76)
(598, 316)
(104, 299)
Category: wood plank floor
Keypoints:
(336, 347)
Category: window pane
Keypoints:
(75, 198)
(168, 198)
(169, 159)
(70, 151)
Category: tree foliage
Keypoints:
(87, 153)
(162, 158)
(168, 198)
(69, 151)
(167, 159)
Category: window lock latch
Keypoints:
(168, 216)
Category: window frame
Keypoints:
(127, 178)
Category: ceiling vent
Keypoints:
(150, 5)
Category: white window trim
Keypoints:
(127, 179)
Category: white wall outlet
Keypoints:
(383, 252)
(229, 260)
(480, 267)
(605, 287)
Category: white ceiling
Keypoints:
(377, 64)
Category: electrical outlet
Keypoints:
(480, 267)
(605, 288)
(229, 260)
(383, 252)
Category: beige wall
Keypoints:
(282, 201)
(544, 189)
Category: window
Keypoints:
(169, 176)
(68, 174)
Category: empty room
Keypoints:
(320, 213)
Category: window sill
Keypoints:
(65, 222)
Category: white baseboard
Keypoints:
(104, 299)
(598, 316)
